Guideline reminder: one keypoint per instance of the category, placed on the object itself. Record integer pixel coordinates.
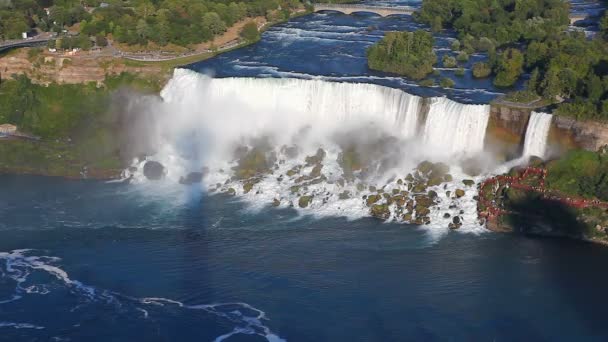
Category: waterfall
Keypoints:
(307, 102)
(535, 143)
(453, 127)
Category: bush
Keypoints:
(460, 72)
(481, 70)
(250, 32)
(447, 82)
(429, 82)
(463, 57)
(449, 61)
(455, 45)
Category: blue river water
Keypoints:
(96, 261)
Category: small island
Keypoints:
(405, 53)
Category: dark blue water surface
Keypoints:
(145, 262)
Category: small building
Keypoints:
(7, 129)
(24, 35)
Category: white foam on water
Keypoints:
(20, 325)
(20, 264)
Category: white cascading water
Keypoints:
(314, 102)
(535, 143)
(455, 128)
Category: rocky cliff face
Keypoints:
(80, 69)
(506, 130)
(568, 133)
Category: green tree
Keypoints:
(509, 67)
(250, 32)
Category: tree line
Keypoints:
(179, 22)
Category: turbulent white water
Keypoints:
(535, 143)
(453, 127)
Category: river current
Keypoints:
(160, 261)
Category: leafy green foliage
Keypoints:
(509, 67)
(580, 173)
(406, 53)
(250, 32)
(481, 70)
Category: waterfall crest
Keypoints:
(307, 102)
(456, 128)
(535, 143)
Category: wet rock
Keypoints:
(425, 167)
(407, 217)
(456, 223)
(434, 181)
(448, 178)
(295, 189)
(372, 188)
(360, 187)
(395, 191)
(400, 181)
(316, 171)
(316, 159)
(253, 163)
(380, 211)
(459, 193)
(304, 201)
(419, 188)
(276, 202)
(371, 199)
(231, 192)
(424, 200)
(447, 215)
(191, 178)
(432, 194)
(154, 170)
(248, 186)
(422, 211)
(468, 182)
(344, 195)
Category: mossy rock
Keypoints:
(535, 161)
(468, 182)
(304, 201)
(380, 211)
(248, 186)
(459, 193)
(407, 217)
(360, 187)
(231, 191)
(425, 167)
(432, 194)
(419, 188)
(371, 199)
(422, 211)
(434, 181)
(372, 188)
(253, 163)
(448, 178)
(295, 189)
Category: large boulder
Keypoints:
(154, 170)
(191, 178)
